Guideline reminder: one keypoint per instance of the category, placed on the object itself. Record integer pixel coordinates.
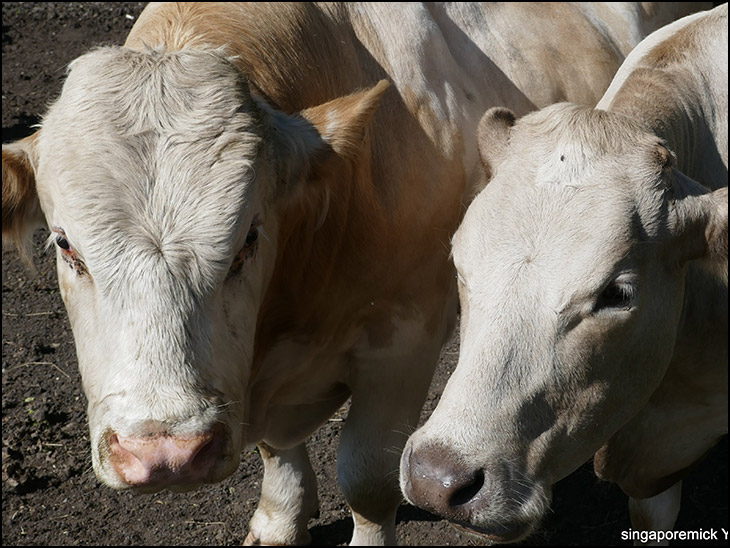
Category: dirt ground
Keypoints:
(50, 495)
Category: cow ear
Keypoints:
(22, 213)
(318, 139)
(343, 122)
(700, 228)
(493, 135)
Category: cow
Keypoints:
(250, 206)
(594, 298)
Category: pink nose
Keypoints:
(163, 460)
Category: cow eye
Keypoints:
(249, 247)
(617, 295)
(252, 236)
(62, 242)
(68, 253)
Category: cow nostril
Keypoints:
(440, 481)
(210, 451)
(466, 493)
(167, 460)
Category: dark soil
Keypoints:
(50, 495)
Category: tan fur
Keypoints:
(220, 121)
(365, 214)
(21, 211)
(273, 46)
(663, 94)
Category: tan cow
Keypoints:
(593, 284)
(252, 225)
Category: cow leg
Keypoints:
(657, 513)
(387, 395)
(288, 498)
(367, 461)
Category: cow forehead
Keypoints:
(534, 223)
(153, 90)
(574, 189)
(537, 253)
(570, 146)
(149, 117)
(154, 150)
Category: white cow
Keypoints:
(251, 225)
(593, 285)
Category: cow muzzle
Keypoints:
(157, 459)
(436, 478)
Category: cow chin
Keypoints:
(498, 534)
(110, 479)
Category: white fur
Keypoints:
(584, 206)
(163, 354)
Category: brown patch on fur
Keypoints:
(273, 47)
(21, 210)
(352, 267)
(674, 51)
(74, 263)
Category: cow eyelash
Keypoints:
(617, 295)
(58, 237)
(62, 242)
(248, 249)
(68, 253)
(252, 236)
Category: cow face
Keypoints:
(159, 177)
(571, 271)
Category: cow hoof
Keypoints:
(253, 539)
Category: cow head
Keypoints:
(571, 268)
(160, 177)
